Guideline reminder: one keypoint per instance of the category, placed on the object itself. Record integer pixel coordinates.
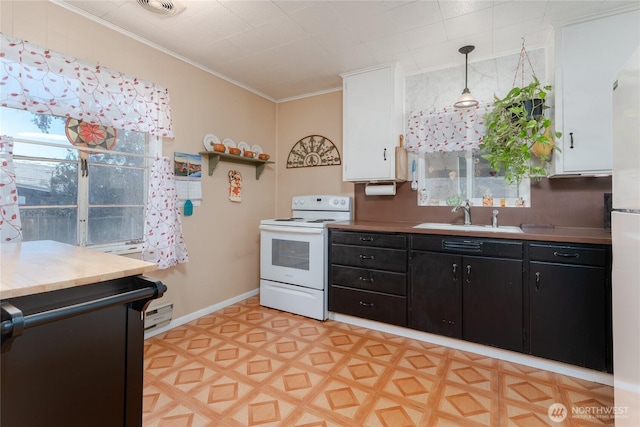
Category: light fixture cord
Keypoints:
(466, 69)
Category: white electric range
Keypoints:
(293, 255)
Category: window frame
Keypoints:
(524, 189)
(153, 150)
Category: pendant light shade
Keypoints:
(466, 100)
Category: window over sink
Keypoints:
(448, 179)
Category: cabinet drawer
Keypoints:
(376, 258)
(468, 245)
(392, 241)
(369, 305)
(569, 254)
(369, 279)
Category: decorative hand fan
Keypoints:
(84, 134)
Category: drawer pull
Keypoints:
(366, 256)
(566, 255)
(366, 239)
(370, 279)
(366, 304)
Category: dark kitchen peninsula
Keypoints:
(72, 335)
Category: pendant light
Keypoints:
(466, 100)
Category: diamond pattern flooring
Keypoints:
(247, 365)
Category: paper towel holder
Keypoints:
(380, 189)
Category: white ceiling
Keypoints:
(287, 49)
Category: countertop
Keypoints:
(29, 268)
(546, 233)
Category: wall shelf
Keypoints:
(215, 157)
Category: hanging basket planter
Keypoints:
(516, 125)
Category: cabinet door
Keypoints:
(569, 313)
(435, 295)
(492, 302)
(589, 56)
(372, 110)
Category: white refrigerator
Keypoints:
(625, 234)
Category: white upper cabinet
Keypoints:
(373, 104)
(588, 57)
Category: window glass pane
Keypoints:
(488, 181)
(50, 183)
(112, 185)
(449, 179)
(126, 142)
(446, 178)
(115, 224)
(290, 254)
(59, 224)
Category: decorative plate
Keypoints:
(209, 140)
(257, 149)
(84, 134)
(243, 146)
(229, 143)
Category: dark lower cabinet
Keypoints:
(368, 275)
(475, 298)
(570, 300)
(436, 294)
(541, 298)
(492, 302)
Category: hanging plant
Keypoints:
(516, 128)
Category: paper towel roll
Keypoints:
(380, 189)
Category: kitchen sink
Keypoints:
(461, 227)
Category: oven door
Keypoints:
(293, 255)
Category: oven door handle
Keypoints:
(293, 230)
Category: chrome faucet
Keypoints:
(467, 211)
(494, 219)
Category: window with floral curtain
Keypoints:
(450, 164)
(85, 138)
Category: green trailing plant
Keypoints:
(512, 130)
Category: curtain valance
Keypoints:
(446, 129)
(45, 82)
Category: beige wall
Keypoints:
(317, 115)
(222, 237)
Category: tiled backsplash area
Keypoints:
(568, 202)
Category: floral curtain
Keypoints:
(163, 242)
(446, 129)
(10, 225)
(45, 82)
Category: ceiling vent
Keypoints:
(162, 7)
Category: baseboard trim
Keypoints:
(197, 314)
(507, 355)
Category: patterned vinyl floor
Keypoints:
(247, 365)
